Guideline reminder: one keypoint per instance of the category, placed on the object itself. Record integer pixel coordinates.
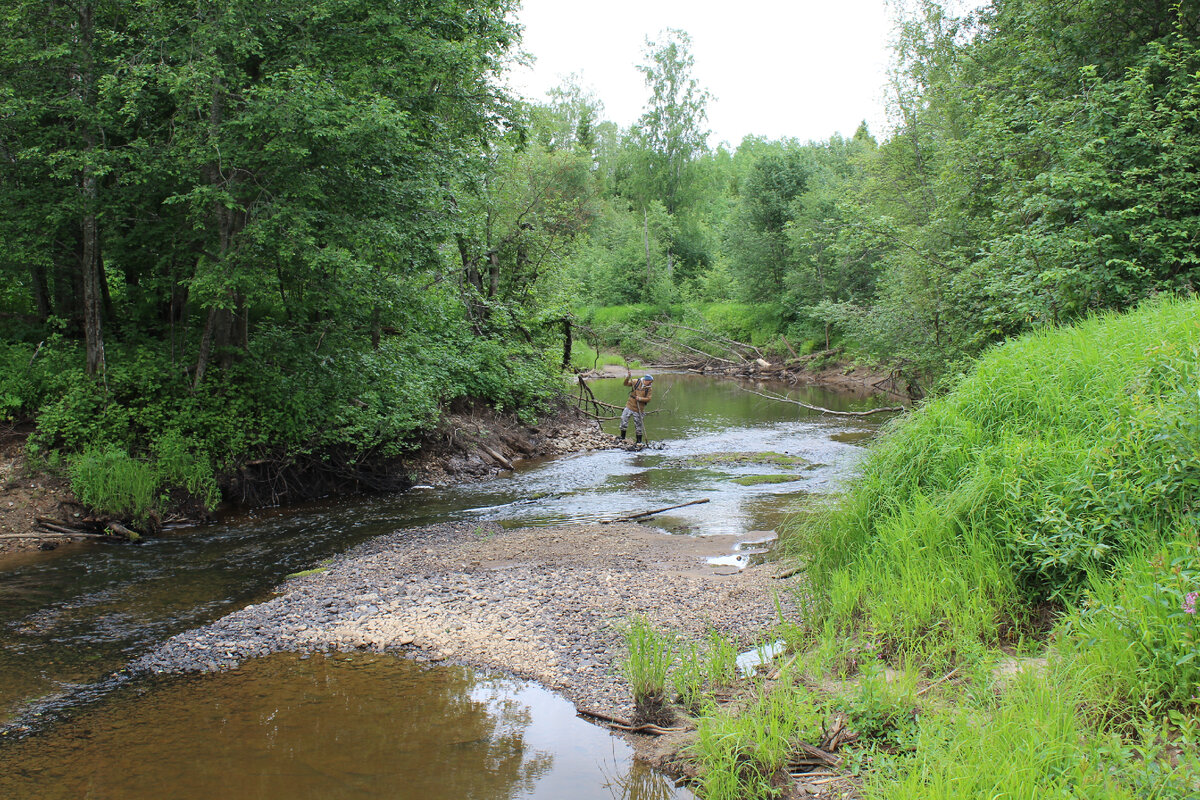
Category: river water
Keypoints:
(357, 725)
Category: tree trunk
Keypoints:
(89, 257)
(646, 242)
(89, 265)
(566, 362)
(41, 291)
(493, 274)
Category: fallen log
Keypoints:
(53, 521)
(587, 712)
(817, 753)
(121, 530)
(54, 535)
(499, 459)
(781, 399)
(57, 528)
(631, 517)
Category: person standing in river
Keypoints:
(635, 406)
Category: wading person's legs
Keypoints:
(625, 415)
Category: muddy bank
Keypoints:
(27, 493)
(469, 443)
(546, 604)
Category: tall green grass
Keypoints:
(1062, 475)
(1058, 456)
(650, 654)
(743, 755)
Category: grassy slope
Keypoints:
(1061, 475)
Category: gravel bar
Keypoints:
(546, 604)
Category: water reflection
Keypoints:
(339, 726)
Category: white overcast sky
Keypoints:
(805, 69)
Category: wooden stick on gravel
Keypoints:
(587, 712)
(632, 517)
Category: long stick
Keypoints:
(632, 517)
(54, 535)
(782, 399)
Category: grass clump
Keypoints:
(110, 480)
(760, 480)
(650, 656)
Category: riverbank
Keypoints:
(546, 604)
(470, 443)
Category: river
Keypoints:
(361, 725)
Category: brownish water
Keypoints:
(338, 726)
(361, 726)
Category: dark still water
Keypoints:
(70, 619)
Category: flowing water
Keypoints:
(367, 726)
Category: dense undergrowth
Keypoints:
(144, 439)
(1027, 547)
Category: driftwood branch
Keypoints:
(716, 337)
(625, 725)
(69, 534)
(653, 730)
(499, 459)
(816, 753)
(600, 715)
(631, 517)
(782, 399)
(596, 417)
(120, 529)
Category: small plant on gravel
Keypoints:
(647, 665)
(721, 664)
(688, 677)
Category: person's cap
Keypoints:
(648, 378)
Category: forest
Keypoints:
(235, 233)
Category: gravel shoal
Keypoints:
(546, 604)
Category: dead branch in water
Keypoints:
(631, 517)
(782, 399)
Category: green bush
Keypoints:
(288, 395)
